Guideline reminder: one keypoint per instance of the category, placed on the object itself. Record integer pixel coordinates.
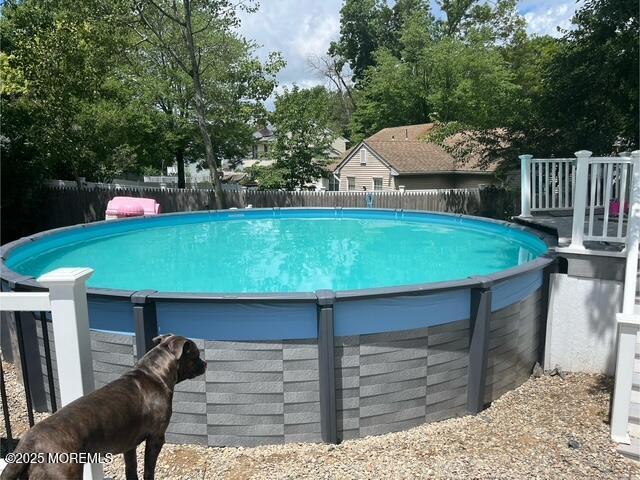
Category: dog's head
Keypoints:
(186, 354)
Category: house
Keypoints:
(234, 171)
(263, 139)
(398, 158)
(261, 143)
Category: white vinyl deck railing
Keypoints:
(67, 302)
(604, 194)
(597, 189)
(628, 322)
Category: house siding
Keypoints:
(364, 174)
(446, 180)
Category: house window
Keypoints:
(363, 156)
(351, 183)
(377, 183)
(334, 183)
(266, 148)
(254, 152)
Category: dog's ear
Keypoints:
(160, 338)
(176, 345)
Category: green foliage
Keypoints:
(446, 80)
(476, 20)
(62, 57)
(302, 135)
(368, 25)
(390, 96)
(266, 177)
(590, 95)
(476, 88)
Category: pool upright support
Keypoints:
(479, 346)
(146, 321)
(326, 367)
(549, 270)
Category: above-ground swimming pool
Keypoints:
(281, 251)
(317, 324)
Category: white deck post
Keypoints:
(628, 321)
(70, 321)
(628, 327)
(525, 185)
(580, 199)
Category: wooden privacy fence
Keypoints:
(71, 205)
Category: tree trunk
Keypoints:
(180, 163)
(200, 106)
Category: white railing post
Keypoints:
(580, 199)
(633, 237)
(525, 185)
(70, 322)
(628, 320)
(627, 333)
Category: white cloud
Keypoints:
(297, 29)
(546, 16)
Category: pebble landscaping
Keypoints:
(549, 428)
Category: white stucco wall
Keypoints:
(581, 326)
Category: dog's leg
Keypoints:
(130, 465)
(152, 448)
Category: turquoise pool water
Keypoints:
(287, 251)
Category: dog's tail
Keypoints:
(13, 471)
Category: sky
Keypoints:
(303, 28)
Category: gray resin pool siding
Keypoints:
(328, 366)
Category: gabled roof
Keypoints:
(403, 150)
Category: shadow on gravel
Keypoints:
(603, 385)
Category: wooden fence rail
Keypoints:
(71, 205)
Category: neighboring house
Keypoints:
(398, 157)
(261, 143)
(262, 140)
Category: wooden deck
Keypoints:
(562, 223)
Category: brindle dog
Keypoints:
(115, 418)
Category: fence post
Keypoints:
(580, 199)
(525, 185)
(70, 321)
(326, 367)
(144, 315)
(479, 345)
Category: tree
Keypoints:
(302, 135)
(234, 77)
(590, 97)
(332, 69)
(266, 177)
(65, 55)
(174, 28)
(64, 113)
(497, 21)
(368, 25)
(391, 95)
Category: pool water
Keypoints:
(282, 254)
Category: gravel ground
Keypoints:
(547, 428)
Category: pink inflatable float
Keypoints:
(123, 207)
